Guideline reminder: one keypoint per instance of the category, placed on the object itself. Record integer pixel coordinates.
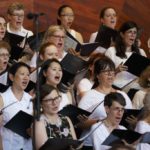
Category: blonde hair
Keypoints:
(15, 6)
(144, 78)
(51, 30)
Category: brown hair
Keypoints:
(6, 45)
(144, 78)
(14, 6)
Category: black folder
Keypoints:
(31, 85)
(105, 35)
(59, 144)
(20, 123)
(71, 66)
(3, 87)
(137, 63)
(35, 38)
(73, 112)
(117, 135)
(128, 113)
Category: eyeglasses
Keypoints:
(58, 37)
(18, 15)
(117, 109)
(3, 25)
(4, 55)
(52, 100)
(108, 72)
(68, 15)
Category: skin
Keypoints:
(3, 59)
(50, 110)
(16, 20)
(67, 19)
(129, 37)
(49, 53)
(114, 114)
(2, 28)
(110, 18)
(53, 74)
(20, 81)
(58, 40)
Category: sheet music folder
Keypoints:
(128, 113)
(137, 63)
(73, 112)
(20, 123)
(105, 35)
(117, 135)
(85, 49)
(71, 66)
(59, 144)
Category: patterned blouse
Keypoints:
(59, 130)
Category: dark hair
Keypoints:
(14, 68)
(60, 9)
(101, 64)
(114, 97)
(119, 43)
(102, 12)
(46, 89)
(44, 68)
(6, 45)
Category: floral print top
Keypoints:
(59, 130)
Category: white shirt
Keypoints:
(11, 140)
(23, 32)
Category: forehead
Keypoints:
(110, 11)
(67, 9)
(116, 104)
(51, 94)
(21, 11)
(2, 20)
(2, 49)
(55, 64)
(132, 29)
(51, 48)
(22, 69)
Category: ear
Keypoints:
(107, 109)
(44, 73)
(121, 34)
(11, 77)
(102, 20)
(41, 57)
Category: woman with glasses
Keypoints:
(65, 17)
(104, 75)
(93, 100)
(125, 45)
(51, 124)
(4, 58)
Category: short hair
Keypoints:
(51, 30)
(60, 9)
(46, 89)
(114, 97)
(44, 46)
(144, 78)
(5, 45)
(14, 68)
(15, 6)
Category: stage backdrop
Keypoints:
(87, 14)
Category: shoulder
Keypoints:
(111, 49)
(142, 52)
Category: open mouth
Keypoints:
(57, 78)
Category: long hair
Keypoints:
(119, 43)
